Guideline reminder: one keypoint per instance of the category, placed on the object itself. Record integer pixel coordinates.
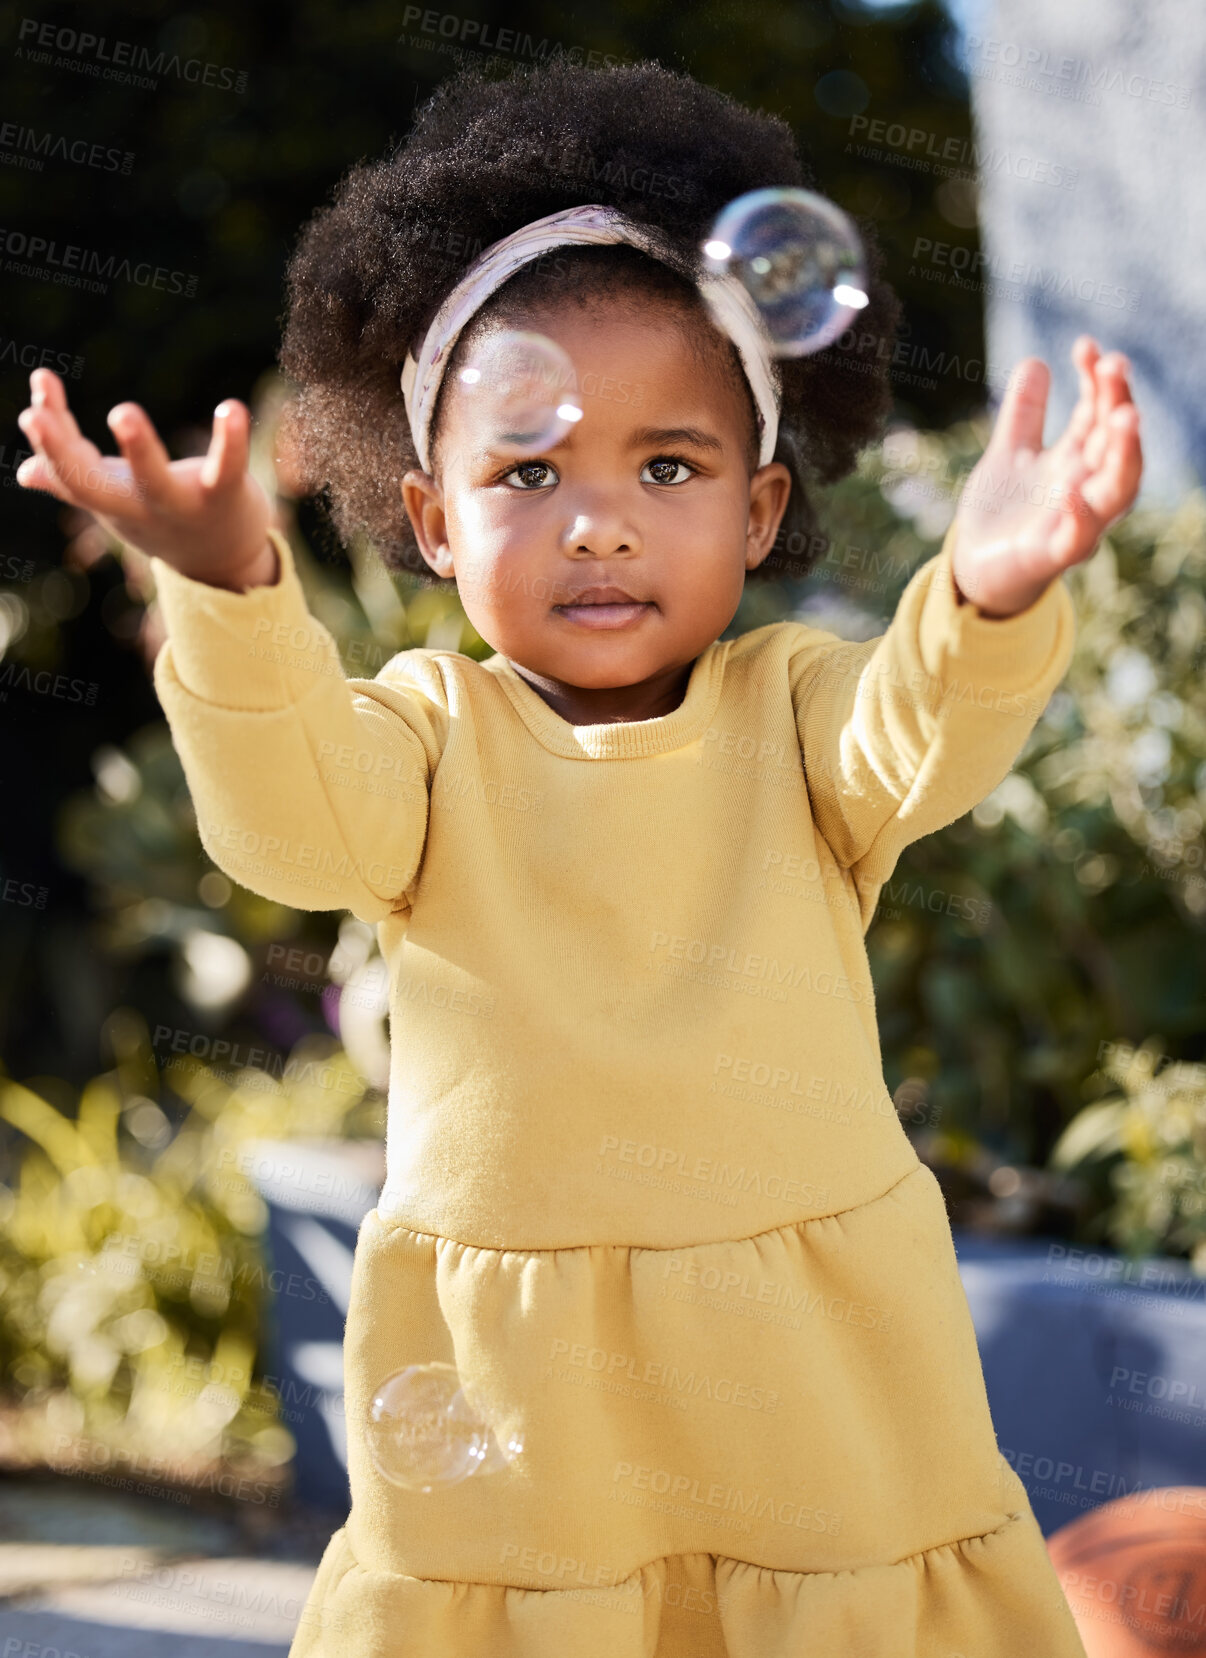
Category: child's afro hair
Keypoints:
(487, 154)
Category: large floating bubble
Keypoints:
(425, 1434)
(799, 258)
(525, 386)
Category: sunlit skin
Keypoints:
(594, 512)
(674, 522)
(1027, 513)
(653, 497)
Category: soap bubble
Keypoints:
(424, 1432)
(800, 259)
(526, 388)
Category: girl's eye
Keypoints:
(532, 474)
(663, 468)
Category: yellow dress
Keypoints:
(646, 1188)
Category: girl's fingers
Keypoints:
(1115, 390)
(71, 464)
(1085, 355)
(1112, 488)
(1112, 392)
(1078, 534)
(150, 465)
(47, 391)
(1023, 408)
(226, 457)
(33, 473)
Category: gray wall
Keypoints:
(1114, 91)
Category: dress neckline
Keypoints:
(620, 739)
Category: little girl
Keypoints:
(646, 1188)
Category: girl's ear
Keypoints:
(424, 502)
(769, 490)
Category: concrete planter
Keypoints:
(1095, 1368)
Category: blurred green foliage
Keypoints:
(133, 1284)
(1143, 1147)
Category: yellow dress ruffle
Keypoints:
(668, 1400)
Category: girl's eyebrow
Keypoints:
(674, 434)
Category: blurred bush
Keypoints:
(1144, 1148)
(133, 1284)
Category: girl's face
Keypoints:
(616, 556)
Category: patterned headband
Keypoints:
(725, 295)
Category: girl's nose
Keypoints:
(597, 545)
(601, 527)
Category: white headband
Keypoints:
(725, 295)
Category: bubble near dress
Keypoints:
(646, 1188)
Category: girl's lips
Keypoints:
(603, 615)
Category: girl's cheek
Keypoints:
(490, 522)
(478, 578)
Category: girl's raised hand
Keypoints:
(205, 515)
(1026, 513)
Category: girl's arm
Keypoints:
(901, 735)
(309, 788)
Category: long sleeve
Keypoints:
(309, 787)
(902, 734)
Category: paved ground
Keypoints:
(89, 1573)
